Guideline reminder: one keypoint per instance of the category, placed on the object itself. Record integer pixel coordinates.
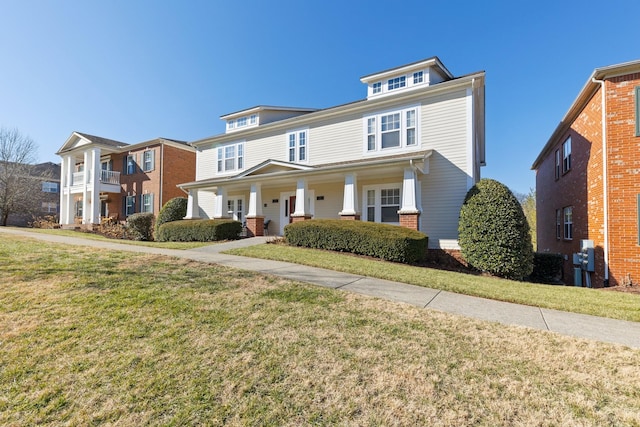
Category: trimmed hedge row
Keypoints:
(199, 230)
(388, 242)
(547, 267)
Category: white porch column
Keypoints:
(95, 186)
(67, 213)
(350, 197)
(193, 209)
(302, 203)
(255, 200)
(220, 210)
(409, 192)
(85, 187)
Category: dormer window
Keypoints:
(377, 87)
(253, 119)
(242, 121)
(397, 83)
(418, 77)
(231, 124)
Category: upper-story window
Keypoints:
(148, 160)
(391, 130)
(130, 164)
(397, 83)
(566, 155)
(557, 165)
(418, 77)
(377, 87)
(230, 157)
(242, 121)
(253, 119)
(50, 187)
(297, 146)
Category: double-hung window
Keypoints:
(146, 202)
(50, 187)
(129, 205)
(568, 223)
(148, 160)
(297, 146)
(130, 164)
(392, 130)
(382, 203)
(566, 155)
(230, 157)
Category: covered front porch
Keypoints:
(273, 194)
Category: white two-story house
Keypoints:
(406, 154)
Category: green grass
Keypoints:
(91, 236)
(102, 337)
(615, 305)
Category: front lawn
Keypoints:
(615, 305)
(103, 337)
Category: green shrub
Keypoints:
(199, 230)
(494, 233)
(547, 267)
(388, 242)
(174, 210)
(140, 226)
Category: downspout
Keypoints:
(605, 183)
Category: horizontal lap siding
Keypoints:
(336, 140)
(444, 130)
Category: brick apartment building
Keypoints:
(588, 178)
(105, 178)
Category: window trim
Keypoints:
(238, 158)
(50, 187)
(152, 160)
(568, 224)
(372, 144)
(143, 208)
(297, 147)
(566, 156)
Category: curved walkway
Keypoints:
(572, 324)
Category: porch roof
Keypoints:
(417, 159)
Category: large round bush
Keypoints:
(174, 210)
(493, 231)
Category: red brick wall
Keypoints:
(582, 187)
(172, 164)
(624, 178)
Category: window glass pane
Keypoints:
(371, 142)
(371, 197)
(391, 139)
(411, 137)
(303, 153)
(292, 140)
(292, 154)
(390, 214)
(371, 214)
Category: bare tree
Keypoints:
(20, 187)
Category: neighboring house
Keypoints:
(588, 178)
(405, 155)
(105, 178)
(45, 202)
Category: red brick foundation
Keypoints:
(300, 218)
(255, 226)
(410, 220)
(354, 217)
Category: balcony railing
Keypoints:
(106, 177)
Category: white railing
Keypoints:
(110, 177)
(106, 177)
(77, 178)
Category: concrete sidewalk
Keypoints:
(576, 325)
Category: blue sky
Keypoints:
(135, 70)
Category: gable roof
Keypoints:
(116, 146)
(589, 89)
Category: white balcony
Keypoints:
(109, 181)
